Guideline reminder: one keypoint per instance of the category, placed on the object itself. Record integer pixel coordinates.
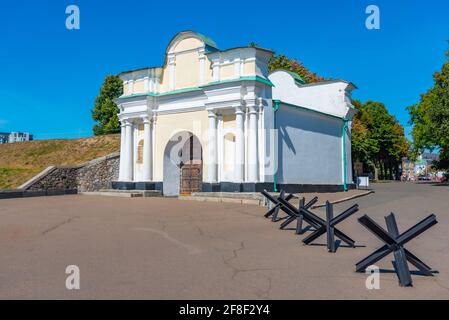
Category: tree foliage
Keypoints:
(378, 139)
(443, 162)
(283, 62)
(105, 111)
(430, 116)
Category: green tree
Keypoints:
(430, 116)
(443, 162)
(283, 62)
(378, 140)
(105, 111)
(362, 147)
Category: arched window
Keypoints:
(140, 152)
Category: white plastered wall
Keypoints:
(328, 97)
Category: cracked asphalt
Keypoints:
(154, 248)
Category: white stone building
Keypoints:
(12, 137)
(216, 120)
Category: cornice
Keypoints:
(122, 99)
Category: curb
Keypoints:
(345, 199)
(256, 202)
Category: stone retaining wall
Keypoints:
(60, 178)
(91, 176)
(98, 174)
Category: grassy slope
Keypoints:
(21, 161)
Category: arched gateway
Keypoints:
(235, 107)
(183, 165)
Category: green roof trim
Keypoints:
(343, 153)
(177, 91)
(276, 104)
(248, 78)
(192, 89)
(152, 94)
(207, 41)
(298, 79)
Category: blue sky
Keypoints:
(49, 76)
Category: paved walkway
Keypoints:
(153, 248)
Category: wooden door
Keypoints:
(191, 178)
(191, 167)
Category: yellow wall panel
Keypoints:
(165, 80)
(187, 70)
(168, 125)
(207, 70)
(229, 121)
(227, 72)
(249, 68)
(138, 87)
(188, 44)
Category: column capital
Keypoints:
(146, 119)
(239, 109)
(211, 114)
(171, 58)
(253, 109)
(201, 53)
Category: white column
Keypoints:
(253, 167)
(239, 175)
(202, 60)
(212, 167)
(237, 68)
(171, 74)
(147, 151)
(122, 152)
(129, 153)
(153, 144)
(130, 86)
(146, 84)
(215, 71)
(220, 152)
(261, 141)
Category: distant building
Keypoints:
(12, 137)
(4, 137)
(429, 158)
(411, 170)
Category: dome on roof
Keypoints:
(298, 79)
